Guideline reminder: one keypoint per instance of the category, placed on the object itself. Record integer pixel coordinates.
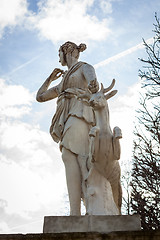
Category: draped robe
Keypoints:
(73, 118)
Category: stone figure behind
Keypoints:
(90, 150)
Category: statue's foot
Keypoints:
(117, 132)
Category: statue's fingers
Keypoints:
(58, 70)
(59, 74)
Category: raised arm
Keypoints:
(45, 94)
(90, 76)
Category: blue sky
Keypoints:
(32, 178)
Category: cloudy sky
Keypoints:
(32, 178)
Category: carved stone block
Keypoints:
(91, 223)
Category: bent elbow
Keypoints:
(39, 98)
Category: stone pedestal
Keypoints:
(91, 223)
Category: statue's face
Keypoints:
(61, 58)
(97, 101)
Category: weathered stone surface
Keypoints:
(131, 235)
(89, 223)
(90, 149)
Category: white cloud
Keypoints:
(106, 6)
(30, 164)
(26, 191)
(11, 13)
(15, 100)
(57, 21)
(30, 169)
(123, 112)
(68, 20)
(4, 227)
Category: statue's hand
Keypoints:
(57, 72)
(117, 133)
(93, 86)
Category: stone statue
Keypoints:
(90, 151)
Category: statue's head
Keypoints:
(70, 48)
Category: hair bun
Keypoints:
(82, 47)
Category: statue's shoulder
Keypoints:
(87, 67)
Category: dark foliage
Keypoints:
(145, 183)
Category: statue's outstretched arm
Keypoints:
(45, 94)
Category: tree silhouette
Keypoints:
(145, 182)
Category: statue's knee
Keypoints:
(67, 156)
(64, 155)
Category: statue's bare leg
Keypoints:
(73, 177)
(117, 194)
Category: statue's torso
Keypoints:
(76, 116)
(75, 80)
(74, 106)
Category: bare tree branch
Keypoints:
(145, 179)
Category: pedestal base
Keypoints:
(91, 223)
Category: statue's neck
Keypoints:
(71, 62)
(102, 119)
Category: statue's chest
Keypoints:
(77, 80)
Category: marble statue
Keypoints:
(90, 150)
